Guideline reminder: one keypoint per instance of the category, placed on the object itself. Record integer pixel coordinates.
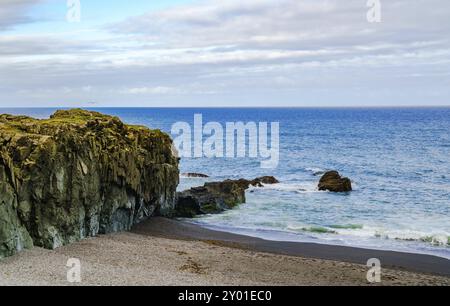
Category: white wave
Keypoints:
(441, 239)
(185, 176)
(306, 187)
(351, 235)
(433, 238)
(316, 171)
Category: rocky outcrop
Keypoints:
(79, 174)
(332, 181)
(195, 175)
(265, 180)
(215, 197)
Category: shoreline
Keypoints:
(411, 262)
(164, 252)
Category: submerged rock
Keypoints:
(195, 175)
(79, 174)
(215, 197)
(268, 180)
(332, 181)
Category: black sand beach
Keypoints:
(167, 252)
(172, 229)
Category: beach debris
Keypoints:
(193, 267)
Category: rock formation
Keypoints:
(195, 175)
(79, 174)
(216, 197)
(332, 181)
(268, 180)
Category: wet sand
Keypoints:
(167, 252)
(397, 260)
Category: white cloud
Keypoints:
(255, 51)
(13, 12)
(150, 90)
(289, 23)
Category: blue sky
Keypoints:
(51, 14)
(224, 53)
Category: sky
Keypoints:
(212, 53)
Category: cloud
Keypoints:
(42, 44)
(289, 24)
(150, 90)
(241, 53)
(14, 12)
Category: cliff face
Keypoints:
(79, 174)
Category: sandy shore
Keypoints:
(396, 260)
(165, 252)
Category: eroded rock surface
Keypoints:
(216, 197)
(79, 174)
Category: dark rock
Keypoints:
(209, 199)
(79, 174)
(332, 181)
(268, 180)
(195, 175)
(215, 197)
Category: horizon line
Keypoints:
(229, 107)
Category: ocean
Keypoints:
(397, 158)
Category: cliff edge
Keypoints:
(79, 174)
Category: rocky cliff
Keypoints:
(79, 174)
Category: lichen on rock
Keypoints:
(79, 174)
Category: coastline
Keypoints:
(420, 263)
(169, 252)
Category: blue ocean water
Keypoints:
(397, 158)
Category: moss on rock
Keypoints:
(78, 174)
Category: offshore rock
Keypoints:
(79, 174)
(332, 181)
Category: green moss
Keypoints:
(210, 208)
(70, 114)
(77, 174)
(61, 118)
